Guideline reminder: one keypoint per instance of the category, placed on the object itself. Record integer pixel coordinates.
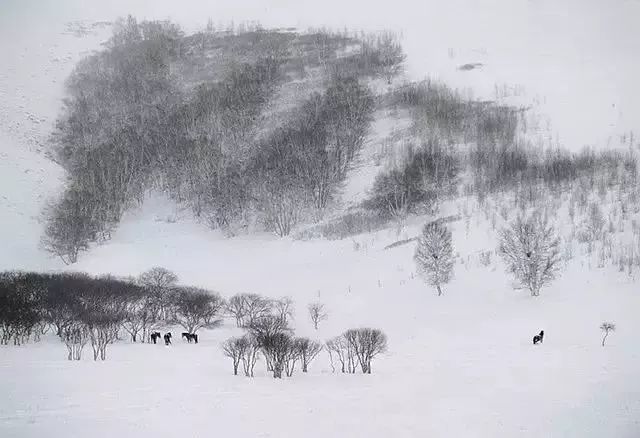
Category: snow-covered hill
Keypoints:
(459, 365)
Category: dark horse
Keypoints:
(167, 338)
(538, 338)
(190, 337)
(155, 336)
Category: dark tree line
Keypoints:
(82, 309)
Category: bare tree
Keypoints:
(308, 350)
(367, 344)
(292, 356)
(133, 323)
(343, 350)
(251, 354)
(273, 336)
(434, 255)
(75, 337)
(317, 313)
(607, 327)
(159, 282)
(256, 307)
(284, 309)
(235, 348)
(391, 56)
(197, 308)
(278, 349)
(236, 307)
(530, 249)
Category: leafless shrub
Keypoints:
(607, 327)
(317, 313)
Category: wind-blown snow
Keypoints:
(458, 365)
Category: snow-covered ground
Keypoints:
(460, 365)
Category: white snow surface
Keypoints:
(460, 365)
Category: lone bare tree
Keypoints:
(317, 313)
(607, 327)
(434, 255)
(530, 249)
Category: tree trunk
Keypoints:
(439, 289)
(604, 338)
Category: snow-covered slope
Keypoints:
(459, 365)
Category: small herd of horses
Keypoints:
(167, 337)
(193, 337)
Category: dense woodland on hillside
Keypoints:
(255, 126)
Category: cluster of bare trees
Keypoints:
(416, 183)
(356, 347)
(302, 164)
(529, 246)
(246, 308)
(130, 124)
(115, 122)
(86, 310)
(270, 337)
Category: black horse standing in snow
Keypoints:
(167, 338)
(155, 336)
(190, 337)
(538, 338)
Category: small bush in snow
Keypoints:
(607, 327)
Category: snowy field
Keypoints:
(460, 365)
